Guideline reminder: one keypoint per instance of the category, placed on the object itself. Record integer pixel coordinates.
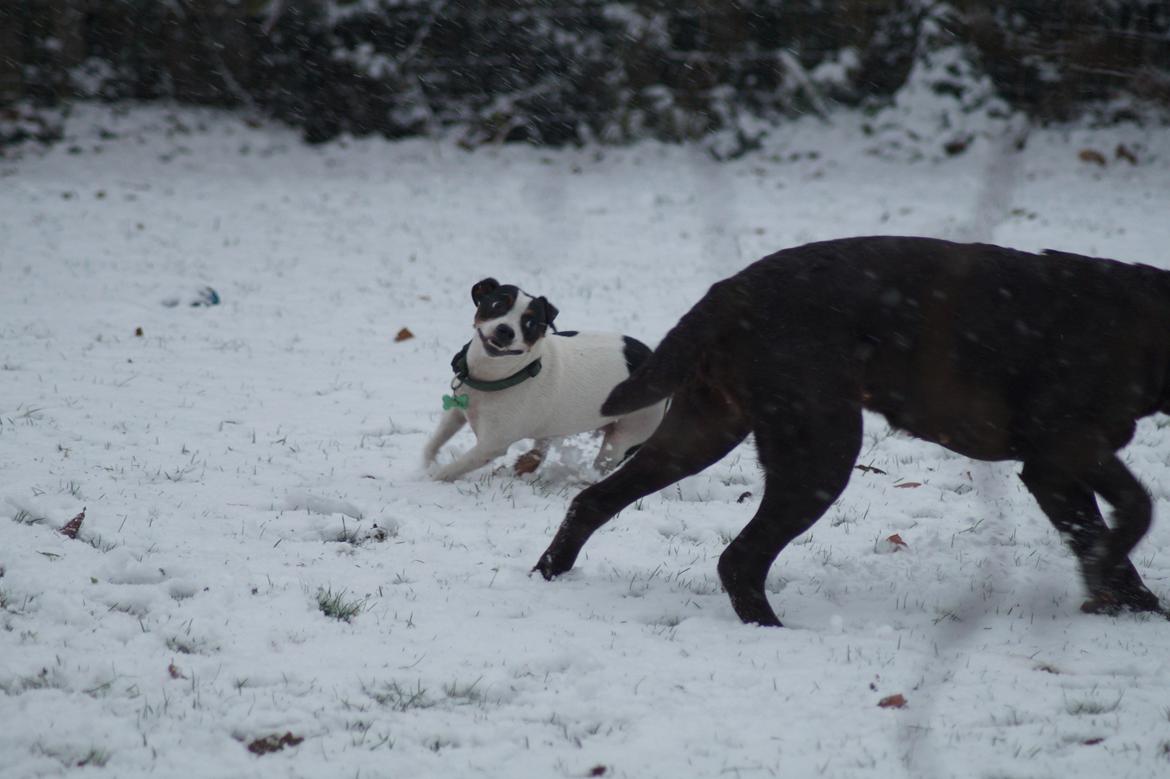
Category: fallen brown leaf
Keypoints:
(403, 335)
(896, 540)
(957, 145)
(1123, 153)
(273, 743)
(1092, 156)
(906, 485)
(895, 701)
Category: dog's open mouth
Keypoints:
(496, 349)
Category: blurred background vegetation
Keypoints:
(573, 71)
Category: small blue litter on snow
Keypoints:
(204, 296)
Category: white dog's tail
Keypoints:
(678, 354)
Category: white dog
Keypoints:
(512, 383)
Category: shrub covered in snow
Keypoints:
(577, 70)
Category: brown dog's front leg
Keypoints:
(1072, 508)
(649, 470)
(698, 430)
(563, 551)
(591, 509)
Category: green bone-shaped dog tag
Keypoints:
(456, 401)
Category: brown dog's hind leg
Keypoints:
(701, 427)
(1107, 563)
(1072, 508)
(807, 464)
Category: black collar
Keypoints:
(463, 374)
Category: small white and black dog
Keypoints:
(512, 382)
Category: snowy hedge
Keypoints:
(555, 72)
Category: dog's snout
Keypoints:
(504, 334)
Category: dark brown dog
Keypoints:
(993, 353)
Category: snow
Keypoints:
(242, 464)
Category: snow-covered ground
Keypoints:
(240, 464)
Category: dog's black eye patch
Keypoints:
(536, 319)
(531, 326)
(497, 302)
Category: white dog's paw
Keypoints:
(438, 472)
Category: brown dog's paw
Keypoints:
(1102, 604)
(528, 462)
(549, 567)
(1141, 599)
(1138, 601)
(1112, 591)
(545, 567)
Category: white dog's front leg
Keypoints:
(449, 424)
(479, 455)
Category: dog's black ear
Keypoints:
(550, 311)
(481, 288)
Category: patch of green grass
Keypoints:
(30, 415)
(44, 680)
(100, 544)
(335, 605)
(349, 535)
(189, 645)
(1092, 707)
(463, 693)
(68, 758)
(15, 604)
(400, 698)
(95, 757)
(26, 518)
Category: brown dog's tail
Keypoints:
(674, 359)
